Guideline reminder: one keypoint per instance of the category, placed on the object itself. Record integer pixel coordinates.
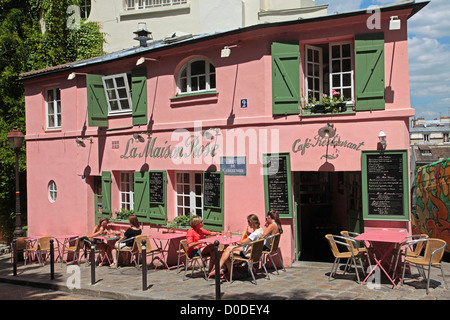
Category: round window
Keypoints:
(52, 191)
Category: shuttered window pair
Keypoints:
(368, 74)
(107, 95)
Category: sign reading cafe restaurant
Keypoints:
(319, 141)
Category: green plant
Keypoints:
(181, 221)
(123, 214)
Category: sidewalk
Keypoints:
(302, 281)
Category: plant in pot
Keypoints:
(328, 104)
(180, 222)
(123, 214)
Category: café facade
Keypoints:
(224, 125)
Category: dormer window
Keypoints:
(117, 91)
(197, 76)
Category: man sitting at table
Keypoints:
(193, 235)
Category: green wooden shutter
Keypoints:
(96, 101)
(106, 193)
(139, 96)
(369, 71)
(141, 196)
(158, 196)
(213, 211)
(285, 78)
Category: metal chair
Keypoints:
(255, 257)
(42, 246)
(413, 252)
(197, 260)
(434, 251)
(131, 250)
(273, 250)
(75, 249)
(349, 254)
(148, 248)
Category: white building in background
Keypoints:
(166, 18)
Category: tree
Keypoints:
(33, 35)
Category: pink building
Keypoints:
(189, 131)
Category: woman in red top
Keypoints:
(193, 235)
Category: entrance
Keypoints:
(327, 203)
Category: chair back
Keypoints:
(21, 243)
(184, 248)
(420, 245)
(275, 243)
(433, 245)
(79, 243)
(333, 245)
(138, 242)
(349, 242)
(44, 243)
(257, 249)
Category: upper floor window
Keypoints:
(53, 108)
(117, 90)
(126, 190)
(85, 8)
(142, 4)
(197, 76)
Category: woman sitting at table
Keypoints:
(100, 229)
(193, 235)
(273, 226)
(247, 236)
(133, 231)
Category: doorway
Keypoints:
(327, 203)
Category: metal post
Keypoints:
(52, 260)
(217, 267)
(92, 256)
(14, 248)
(18, 230)
(144, 265)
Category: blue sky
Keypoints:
(429, 53)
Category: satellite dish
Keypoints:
(327, 131)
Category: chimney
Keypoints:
(142, 34)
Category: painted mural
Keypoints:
(431, 201)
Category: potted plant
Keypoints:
(180, 222)
(123, 214)
(328, 104)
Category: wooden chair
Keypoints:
(255, 257)
(42, 246)
(349, 254)
(148, 248)
(197, 260)
(434, 251)
(273, 250)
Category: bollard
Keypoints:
(14, 248)
(92, 256)
(52, 261)
(217, 267)
(144, 265)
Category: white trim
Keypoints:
(115, 91)
(186, 196)
(55, 102)
(126, 190)
(189, 77)
(314, 65)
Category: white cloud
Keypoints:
(432, 21)
(340, 6)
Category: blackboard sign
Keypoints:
(212, 189)
(278, 184)
(385, 185)
(156, 186)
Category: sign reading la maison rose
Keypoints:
(318, 141)
(190, 147)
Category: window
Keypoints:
(85, 7)
(445, 137)
(189, 193)
(52, 191)
(328, 68)
(141, 4)
(53, 108)
(117, 91)
(197, 76)
(426, 138)
(126, 191)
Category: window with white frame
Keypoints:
(328, 69)
(189, 193)
(197, 76)
(142, 4)
(118, 93)
(53, 108)
(126, 189)
(52, 192)
(85, 8)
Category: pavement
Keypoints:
(302, 281)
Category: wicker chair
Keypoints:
(273, 250)
(197, 260)
(148, 248)
(42, 246)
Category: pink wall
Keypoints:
(246, 74)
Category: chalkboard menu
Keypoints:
(385, 185)
(212, 189)
(156, 186)
(277, 176)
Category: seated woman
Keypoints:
(195, 233)
(273, 226)
(247, 236)
(133, 231)
(101, 229)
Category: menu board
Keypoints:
(385, 184)
(212, 189)
(278, 185)
(156, 186)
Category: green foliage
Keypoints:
(123, 214)
(33, 35)
(181, 221)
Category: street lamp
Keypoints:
(15, 138)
